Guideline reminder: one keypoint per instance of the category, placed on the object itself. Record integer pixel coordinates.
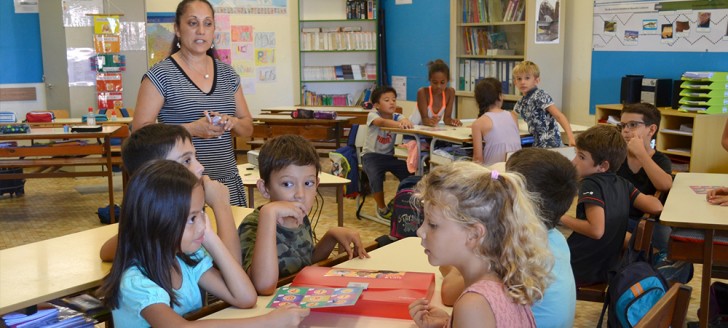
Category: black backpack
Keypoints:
(406, 218)
(634, 288)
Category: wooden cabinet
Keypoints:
(700, 147)
(338, 51)
(476, 35)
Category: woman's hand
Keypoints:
(227, 122)
(203, 128)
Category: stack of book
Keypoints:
(481, 41)
(311, 98)
(704, 92)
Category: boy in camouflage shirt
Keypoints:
(277, 238)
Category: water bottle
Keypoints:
(113, 115)
(90, 118)
(324, 115)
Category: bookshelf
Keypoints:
(698, 147)
(479, 33)
(338, 51)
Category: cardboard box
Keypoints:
(388, 294)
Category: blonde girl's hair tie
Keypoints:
(494, 174)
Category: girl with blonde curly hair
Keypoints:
(485, 224)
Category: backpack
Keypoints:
(345, 164)
(406, 217)
(634, 288)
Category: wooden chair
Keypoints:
(670, 310)
(642, 242)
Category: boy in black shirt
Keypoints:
(603, 206)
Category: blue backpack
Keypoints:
(634, 288)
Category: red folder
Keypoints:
(389, 298)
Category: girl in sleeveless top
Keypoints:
(495, 132)
(484, 224)
(434, 103)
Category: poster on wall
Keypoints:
(160, 33)
(659, 26)
(74, 12)
(251, 7)
(547, 21)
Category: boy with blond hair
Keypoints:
(537, 108)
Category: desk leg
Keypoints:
(110, 178)
(339, 134)
(707, 272)
(251, 203)
(340, 203)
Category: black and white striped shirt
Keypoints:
(184, 102)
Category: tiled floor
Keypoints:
(53, 207)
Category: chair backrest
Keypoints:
(361, 139)
(670, 310)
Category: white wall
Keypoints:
(577, 61)
(21, 107)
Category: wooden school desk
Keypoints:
(58, 267)
(457, 135)
(60, 122)
(403, 255)
(250, 175)
(270, 125)
(359, 114)
(686, 209)
(58, 156)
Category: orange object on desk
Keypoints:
(384, 296)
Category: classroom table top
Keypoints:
(403, 255)
(273, 118)
(337, 109)
(57, 267)
(250, 175)
(56, 133)
(686, 208)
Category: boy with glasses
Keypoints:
(648, 169)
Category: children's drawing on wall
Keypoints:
(667, 33)
(160, 32)
(251, 7)
(222, 39)
(547, 21)
(241, 33)
(74, 12)
(649, 26)
(631, 37)
(265, 39)
(703, 22)
(266, 74)
(222, 23)
(244, 68)
(242, 51)
(265, 57)
(248, 86)
(223, 55)
(610, 28)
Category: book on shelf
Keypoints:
(498, 40)
(356, 70)
(489, 11)
(348, 72)
(470, 71)
(361, 9)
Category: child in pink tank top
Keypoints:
(484, 224)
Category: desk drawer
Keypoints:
(311, 132)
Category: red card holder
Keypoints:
(389, 298)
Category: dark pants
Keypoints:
(376, 165)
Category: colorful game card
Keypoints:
(701, 190)
(315, 297)
(370, 274)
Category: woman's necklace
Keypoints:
(207, 76)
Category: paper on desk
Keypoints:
(315, 297)
(702, 190)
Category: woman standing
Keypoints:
(192, 89)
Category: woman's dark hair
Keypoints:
(181, 8)
(438, 65)
(487, 92)
(153, 218)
